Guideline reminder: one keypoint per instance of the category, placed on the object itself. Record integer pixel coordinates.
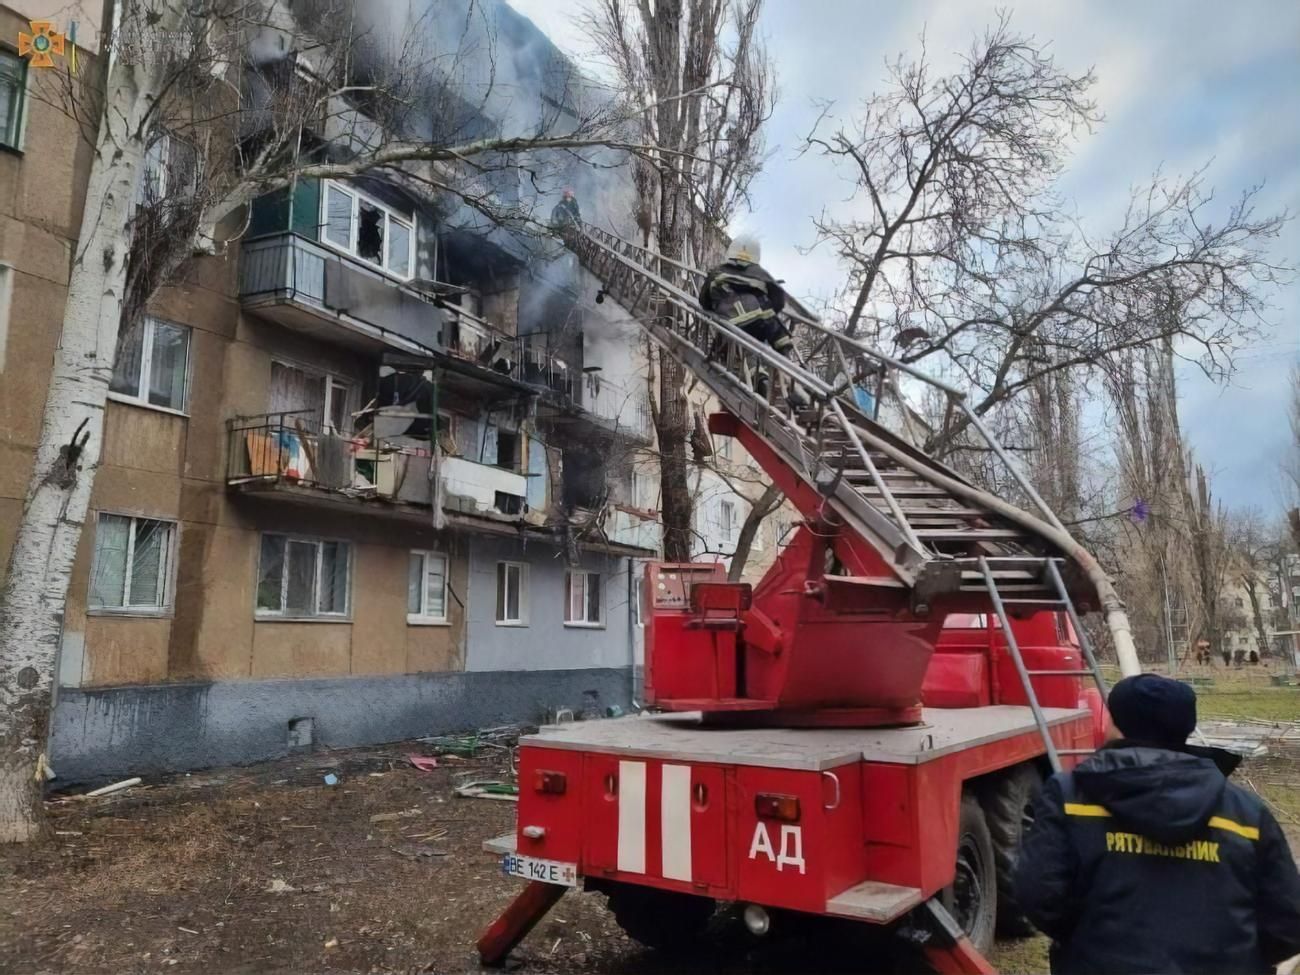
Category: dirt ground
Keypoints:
(268, 868)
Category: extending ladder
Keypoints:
(1062, 602)
(934, 529)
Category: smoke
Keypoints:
(472, 69)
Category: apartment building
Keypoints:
(359, 480)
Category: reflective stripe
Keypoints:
(1085, 809)
(1250, 832)
(631, 817)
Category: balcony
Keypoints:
(288, 455)
(578, 399)
(311, 288)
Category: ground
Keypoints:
(270, 868)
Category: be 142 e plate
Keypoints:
(535, 868)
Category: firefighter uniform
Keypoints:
(1146, 859)
(746, 296)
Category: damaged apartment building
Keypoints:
(370, 475)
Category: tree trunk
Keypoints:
(33, 600)
(764, 506)
(1261, 631)
(677, 507)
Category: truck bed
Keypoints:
(683, 737)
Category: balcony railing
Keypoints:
(290, 449)
(337, 294)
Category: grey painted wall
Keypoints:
(119, 731)
(545, 643)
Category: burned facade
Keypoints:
(347, 482)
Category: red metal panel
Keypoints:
(956, 680)
(799, 865)
(599, 823)
(559, 816)
(677, 837)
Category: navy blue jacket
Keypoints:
(1149, 860)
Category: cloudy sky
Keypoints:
(1182, 84)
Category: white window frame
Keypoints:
(424, 617)
(727, 520)
(390, 214)
(281, 614)
(570, 579)
(166, 570)
(141, 396)
(522, 567)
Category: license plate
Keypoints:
(534, 868)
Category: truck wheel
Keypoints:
(972, 899)
(1008, 808)
(660, 919)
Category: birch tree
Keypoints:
(190, 72)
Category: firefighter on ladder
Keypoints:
(743, 294)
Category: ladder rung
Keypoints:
(1060, 673)
(1033, 602)
(1076, 751)
(974, 534)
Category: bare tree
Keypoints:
(968, 259)
(1256, 548)
(700, 80)
(1291, 461)
(241, 101)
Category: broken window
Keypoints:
(426, 588)
(370, 232)
(507, 503)
(512, 593)
(303, 577)
(582, 598)
(368, 229)
(507, 449)
(132, 564)
(584, 479)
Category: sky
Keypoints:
(1183, 84)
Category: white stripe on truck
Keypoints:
(631, 817)
(675, 804)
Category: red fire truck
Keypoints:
(856, 736)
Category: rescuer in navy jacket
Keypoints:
(1147, 859)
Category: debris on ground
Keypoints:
(490, 789)
(425, 763)
(331, 779)
(1250, 738)
(108, 790)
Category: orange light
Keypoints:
(551, 783)
(783, 808)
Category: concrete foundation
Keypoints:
(114, 732)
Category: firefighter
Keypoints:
(1146, 858)
(739, 291)
(566, 211)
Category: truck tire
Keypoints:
(972, 899)
(1007, 800)
(660, 919)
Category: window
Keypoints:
(507, 449)
(727, 519)
(303, 577)
(724, 447)
(170, 171)
(317, 398)
(426, 588)
(582, 598)
(132, 566)
(368, 229)
(152, 367)
(512, 594)
(1241, 603)
(13, 90)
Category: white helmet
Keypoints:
(745, 248)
